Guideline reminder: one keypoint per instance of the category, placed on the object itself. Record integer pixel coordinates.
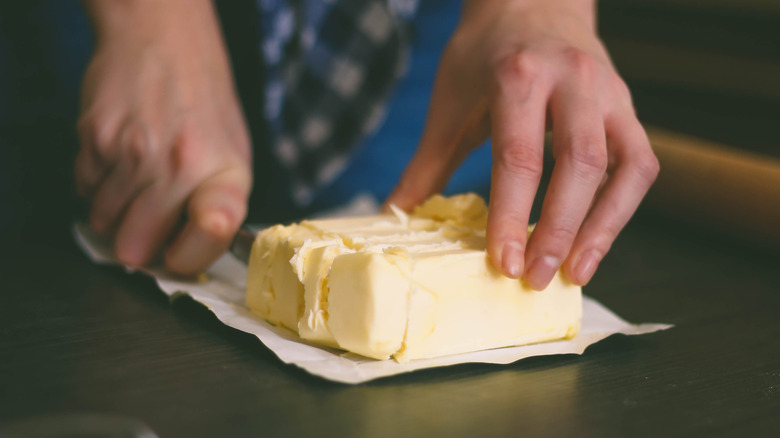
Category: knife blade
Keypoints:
(242, 244)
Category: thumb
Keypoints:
(216, 209)
(448, 139)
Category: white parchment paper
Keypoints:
(223, 293)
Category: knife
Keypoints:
(242, 244)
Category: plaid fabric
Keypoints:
(330, 65)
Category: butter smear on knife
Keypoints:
(403, 286)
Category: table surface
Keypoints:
(77, 338)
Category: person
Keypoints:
(163, 136)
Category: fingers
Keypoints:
(636, 169)
(112, 198)
(149, 220)
(90, 169)
(517, 117)
(580, 151)
(216, 210)
(88, 173)
(147, 182)
(215, 202)
(130, 175)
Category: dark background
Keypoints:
(706, 68)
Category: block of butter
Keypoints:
(402, 286)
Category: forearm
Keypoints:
(483, 13)
(153, 20)
(184, 32)
(585, 7)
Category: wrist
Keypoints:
(486, 12)
(150, 21)
(183, 33)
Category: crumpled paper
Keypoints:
(223, 289)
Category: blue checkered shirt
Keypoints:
(330, 66)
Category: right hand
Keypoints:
(162, 135)
(512, 68)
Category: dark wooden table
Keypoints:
(77, 338)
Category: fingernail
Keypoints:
(541, 271)
(512, 259)
(586, 266)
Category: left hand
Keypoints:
(512, 68)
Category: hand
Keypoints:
(511, 69)
(165, 154)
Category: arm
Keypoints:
(162, 134)
(513, 68)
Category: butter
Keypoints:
(403, 286)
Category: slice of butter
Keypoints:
(403, 286)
